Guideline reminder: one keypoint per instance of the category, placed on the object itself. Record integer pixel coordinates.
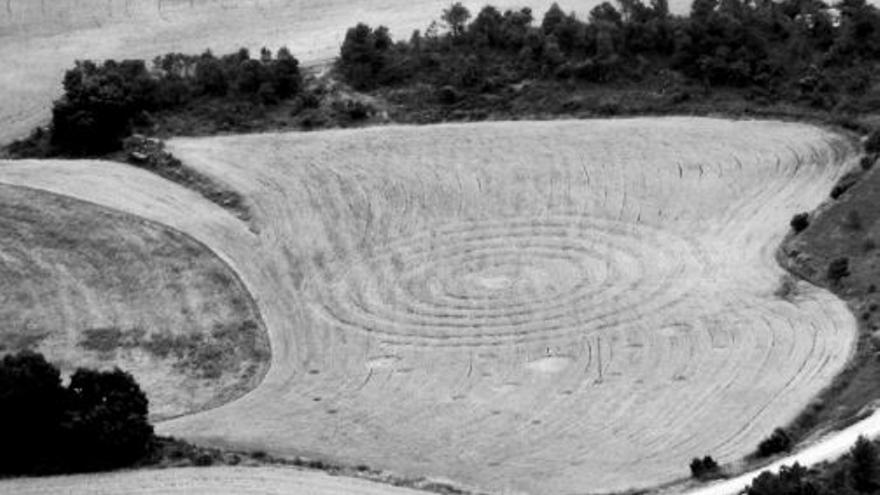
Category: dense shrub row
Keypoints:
(795, 50)
(856, 473)
(99, 421)
(102, 103)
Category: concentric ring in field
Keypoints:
(529, 307)
(488, 281)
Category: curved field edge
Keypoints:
(92, 287)
(844, 229)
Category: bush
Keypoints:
(838, 269)
(704, 468)
(353, 110)
(872, 143)
(777, 442)
(800, 222)
(108, 425)
(845, 183)
(853, 220)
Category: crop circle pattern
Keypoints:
(488, 281)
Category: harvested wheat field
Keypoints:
(204, 481)
(541, 307)
(93, 287)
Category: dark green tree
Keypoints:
(210, 78)
(456, 17)
(32, 403)
(107, 419)
(285, 74)
(552, 19)
(863, 470)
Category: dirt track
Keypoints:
(540, 307)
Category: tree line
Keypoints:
(858, 472)
(795, 50)
(102, 103)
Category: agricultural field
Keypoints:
(92, 287)
(204, 481)
(541, 307)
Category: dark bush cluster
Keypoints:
(99, 421)
(779, 441)
(790, 49)
(704, 468)
(800, 222)
(855, 473)
(845, 183)
(837, 269)
(102, 103)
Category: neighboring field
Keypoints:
(542, 307)
(204, 481)
(89, 286)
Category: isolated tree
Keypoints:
(800, 222)
(456, 17)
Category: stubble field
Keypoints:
(540, 307)
(92, 287)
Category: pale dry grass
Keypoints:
(70, 269)
(540, 307)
